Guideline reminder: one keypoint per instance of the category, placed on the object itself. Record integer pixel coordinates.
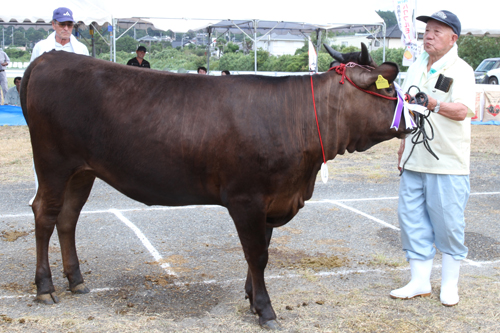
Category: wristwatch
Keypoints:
(438, 105)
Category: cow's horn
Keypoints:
(335, 54)
(364, 56)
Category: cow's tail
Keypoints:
(24, 88)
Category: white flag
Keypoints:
(313, 57)
(404, 10)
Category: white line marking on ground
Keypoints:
(214, 206)
(96, 290)
(144, 241)
(363, 214)
(277, 277)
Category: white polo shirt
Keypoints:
(451, 138)
(50, 44)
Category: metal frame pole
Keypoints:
(208, 48)
(384, 33)
(255, 44)
(115, 23)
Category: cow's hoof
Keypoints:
(271, 325)
(47, 299)
(80, 289)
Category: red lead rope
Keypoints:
(317, 123)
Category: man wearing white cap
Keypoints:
(433, 192)
(61, 39)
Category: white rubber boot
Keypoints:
(449, 280)
(420, 284)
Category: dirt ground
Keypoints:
(330, 268)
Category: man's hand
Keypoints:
(453, 111)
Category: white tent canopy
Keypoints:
(86, 11)
(478, 18)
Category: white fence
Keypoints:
(14, 65)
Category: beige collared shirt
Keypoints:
(451, 138)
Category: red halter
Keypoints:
(341, 70)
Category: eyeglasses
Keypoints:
(65, 24)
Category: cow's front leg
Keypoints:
(250, 221)
(248, 283)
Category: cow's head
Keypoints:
(367, 110)
(362, 58)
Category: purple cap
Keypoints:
(63, 14)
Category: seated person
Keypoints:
(12, 97)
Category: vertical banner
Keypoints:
(404, 10)
(313, 58)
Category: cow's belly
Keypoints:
(164, 190)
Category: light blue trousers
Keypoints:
(431, 211)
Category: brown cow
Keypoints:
(248, 143)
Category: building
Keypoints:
(350, 40)
(281, 44)
(392, 39)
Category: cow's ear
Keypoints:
(388, 70)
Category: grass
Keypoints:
(381, 259)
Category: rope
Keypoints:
(317, 123)
(341, 70)
(420, 119)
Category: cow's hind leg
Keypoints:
(76, 194)
(250, 221)
(46, 208)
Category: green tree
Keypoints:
(35, 36)
(389, 17)
(126, 43)
(475, 49)
(231, 47)
(392, 55)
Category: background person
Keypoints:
(4, 62)
(202, 70)
(433, 193)
(139, 61)
(61, 39)
(225, 72)
(12, 97)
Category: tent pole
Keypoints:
(255, 44)
(111, 41)
(91, 31)
(208, 48)
(318, 47)
(384, 33)
(115, 23)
